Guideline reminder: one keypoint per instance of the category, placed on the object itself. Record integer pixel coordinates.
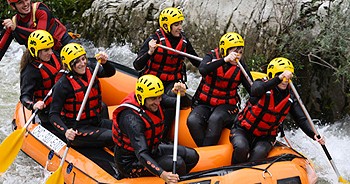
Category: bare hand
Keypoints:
(152, 46)
(286, 75)
(233, 58)
(320, 140)
(179, 87)
(39, 105)
(169, 177)
(102, 56)
(70, 134)
(9, 24)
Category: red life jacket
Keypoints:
(55, 27)
(48, 73)
(220, 86)
(93, 104)
(264, 117)
(165, 64)
(154, 124)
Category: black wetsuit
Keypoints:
(245, 143)
(30, 81)
(206, 121)
(63, 91)
(143, 56)
(143, 161)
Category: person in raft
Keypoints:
(91, 130)
(31, 16)
(215, 101)
(255, 130)
(39, 70)
(138, 125)
(168, 66)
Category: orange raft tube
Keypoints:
(283, 165)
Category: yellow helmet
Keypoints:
(169, 16)
(148, 86)
(279, 65)
(70, 52)
(39, 40)
(230, 40)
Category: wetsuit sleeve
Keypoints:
(260, 87)
(207, 65)
(59, 96)
(143, 56)
(43, 16)
(107, 69)
(244, 80)
(170, 102)
(131, 124)
(299, 117)
(6, 39)
(190, 50)
(29, 77)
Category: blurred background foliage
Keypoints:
(314, 40)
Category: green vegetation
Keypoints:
(327, 46)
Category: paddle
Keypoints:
(200, 59)
(176, 132)
(340, 178)
(57, 177)
(10, 147)
(180, 52)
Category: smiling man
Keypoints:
(138, 127)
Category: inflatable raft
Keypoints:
(283, 165)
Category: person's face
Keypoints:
(152, 103)
(238, 50)
(23, 7)
(79, 65)
(283, 85)
(45, 54)
(176, 29)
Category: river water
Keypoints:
(25, 170)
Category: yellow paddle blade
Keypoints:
(258, 75)
(342, 180)
(56, 177)
(9, 149)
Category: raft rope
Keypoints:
(227, 169)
